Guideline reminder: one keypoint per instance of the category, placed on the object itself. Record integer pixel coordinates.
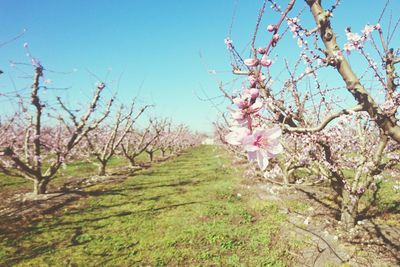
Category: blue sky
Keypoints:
(145, 48)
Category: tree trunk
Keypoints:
(349, 210)
(286, 175)
(102, 168)
(40, 186)
(163, 153)
(132, 162)
(151, 156)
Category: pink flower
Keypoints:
(228, 43)
(271, 28)
(236, 136)
(249, 93)
(368, 29)
(348, 47)
(262, 145)
(265, 61)
(101, 85)
(253, 92)
(275, 37)
(261, 50)
(240, 102)
(253, 81)
(353, 37)
(299, 42)
(255, 107)
(239, 116)
(251, 62)
(243, 115)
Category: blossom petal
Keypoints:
(273, 133)
(262, 160)
(252, 156)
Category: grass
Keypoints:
(182, 212)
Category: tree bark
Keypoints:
(132, 162)
(102, 168)
(40, 186)
(388, 124)
(349, 210)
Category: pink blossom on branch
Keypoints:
(228, 43)
(262, 145)
(251, 62)
(236, 136)
(265, 61)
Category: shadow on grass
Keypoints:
(388, 239)
(35, 250)
(128, 213)
(313, 196)
(368, 213)
(28, 253)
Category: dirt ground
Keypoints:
(324, 241)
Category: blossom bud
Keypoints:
(266, 62)
(271, 28)
(254, 93)
(251, 62)
(261, 50)
(101, 86)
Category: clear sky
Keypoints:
(146, 48)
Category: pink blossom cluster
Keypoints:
(391, 105)
(260, 144)
(294, 27)
(355, 40)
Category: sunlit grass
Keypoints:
(182, 212)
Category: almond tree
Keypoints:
(137, 142)
(182, 138)
(35, 150)
(166, 139)
(157, 127)
(104, 142)
(301, 110)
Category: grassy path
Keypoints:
(185, 212)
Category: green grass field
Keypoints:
(182, 212)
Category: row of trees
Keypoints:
(39, 138)
(343, 131)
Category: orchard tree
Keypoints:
(297, 115)
(34, 149)
(137, 143)
(166, 138)
(157, 127)
(104, 141)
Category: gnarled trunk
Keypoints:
(40, 186)
(102, 168)
(151, 155)
(349, 210)
(132, 162)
